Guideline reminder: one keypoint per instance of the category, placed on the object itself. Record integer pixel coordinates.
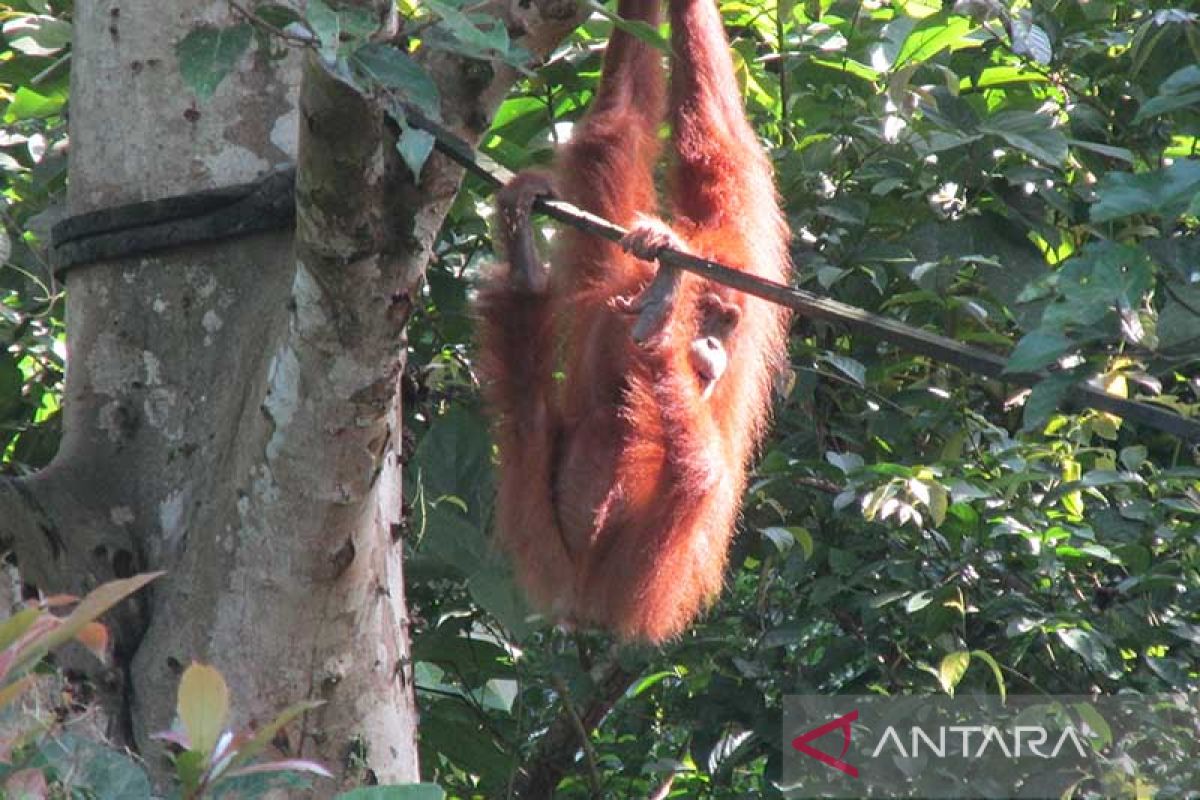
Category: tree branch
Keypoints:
(569, 733)
(916, 340)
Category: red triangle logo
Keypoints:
(842, 723)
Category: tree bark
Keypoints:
(231, 411)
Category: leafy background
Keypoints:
(1019, 176)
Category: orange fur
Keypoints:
(620, 483)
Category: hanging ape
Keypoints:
(621, 478)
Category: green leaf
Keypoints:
(952, 669)
(1036, 350)
(1108, 151)
(1087, 645)
(453, 540)
(931, 36)
(414, 146)
(474, 41)
(1030, 132)
(326, 26)
(339, 32)
(1178, 322)
(986, 658)
(104, 772)
(392, 69)
(413, 791)
(203, 706)
(1045, 399)
(1180, 90)
(497, 593)
(1166, 192)
(1100, 731)
(852, 369)
(206, 55)
(189, 770)
(1029, 39)
(455, 458)
(28, 104)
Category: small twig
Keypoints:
(50, 70)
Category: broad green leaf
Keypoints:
(1119, 153)
(1029, 39)
(1100, 730)
(931, 36)
(455, 458)
(1165, 104)
(339, 32)
(1087, 645)
(387, 66)
(106, 773)
(1037, 350)
(1045, 399)
(996, 77)
(1166, 192)
(1032, 133)
(496, 592)
(852, 369)
(203, 706)
(27, 104)
(327, 27)
(848, 66)
(1180, 90)
(475, 41)
(1178, 322)
(206, 55)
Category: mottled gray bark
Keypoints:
(231, 411)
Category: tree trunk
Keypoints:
(231, 410)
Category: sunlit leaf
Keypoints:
(951, 670)
(203, 706)
(931, 36)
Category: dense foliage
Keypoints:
(1020, 177)
(1009, 176)
(33, 89)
